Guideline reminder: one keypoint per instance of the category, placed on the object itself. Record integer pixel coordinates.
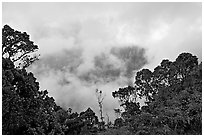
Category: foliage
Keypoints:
(17, 46)
(127, 94)
(118, 122)
(26, 109)
(116, 131)
(172, 94)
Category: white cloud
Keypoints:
(163, 29)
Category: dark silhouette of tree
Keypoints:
(172, 94)
(127, 94)
(128, 100)
(90, 120)
(25, 109)
(118, 122)
(18, 47)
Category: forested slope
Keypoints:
(172, 94)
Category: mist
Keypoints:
(66, 77)
(85, 46)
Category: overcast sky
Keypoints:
(85, 46)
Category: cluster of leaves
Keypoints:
(26, 109)
(173, 98)
(18, 47)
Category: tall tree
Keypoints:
(18, 47)
(26, 110)
(172, 94)
(100, 98)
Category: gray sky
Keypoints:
(85, 46)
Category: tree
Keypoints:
(127, 94)
(26, 110)
(18, 47)
(100, 99)
(90, 121)
(128, 100)
(118, 122)
(172, 94)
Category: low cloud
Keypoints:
(133, 58)
(62, 74)
(85, 46)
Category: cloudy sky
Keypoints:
(85, 46)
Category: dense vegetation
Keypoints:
(172, 94)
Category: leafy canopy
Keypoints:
(18, 47)
(172, 95)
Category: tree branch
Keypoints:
(21, 56)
